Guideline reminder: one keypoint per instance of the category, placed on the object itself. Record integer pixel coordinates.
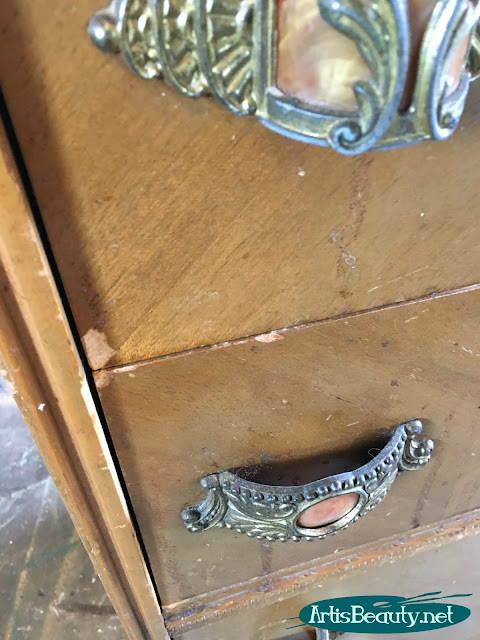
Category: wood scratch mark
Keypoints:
(349, 259)
(399, 304)
(406, 275)
(410, 319)
(266, 552)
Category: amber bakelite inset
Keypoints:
(318, 65)
(328, 511)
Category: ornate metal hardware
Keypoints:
(276, 513)
(234, 50)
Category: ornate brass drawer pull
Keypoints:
(290, 62)
(311, 511)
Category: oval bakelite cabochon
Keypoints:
(327, 511)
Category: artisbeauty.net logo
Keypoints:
(384, 614)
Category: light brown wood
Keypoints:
(297, 405)
(401, 572)
(176, 224)
(52, 391)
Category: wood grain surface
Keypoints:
(176, 224)
(39, 357)
(297, 405)
(435, 569)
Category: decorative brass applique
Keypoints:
(273, 512)
(228, 49)
(380, 30)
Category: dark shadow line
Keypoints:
(37, 216)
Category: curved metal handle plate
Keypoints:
(273, 512)
(229, 50)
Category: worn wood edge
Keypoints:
(189, 614)
(269, 336)
(52, 391)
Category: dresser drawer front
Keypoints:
(430, 571)
(295, 406)
(175, 224)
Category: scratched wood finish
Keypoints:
(434, 570)
(176, 224)
(304, 578)
(293, 408)
(39, 357)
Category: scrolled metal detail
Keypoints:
(272, 512)
(227, 49)
(436, 107)
(380, 31)
(474, 55)
(416, 453)
(445, 108)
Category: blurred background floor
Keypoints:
(48, 587)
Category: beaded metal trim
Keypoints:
(271, 512)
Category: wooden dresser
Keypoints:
(185, 292)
